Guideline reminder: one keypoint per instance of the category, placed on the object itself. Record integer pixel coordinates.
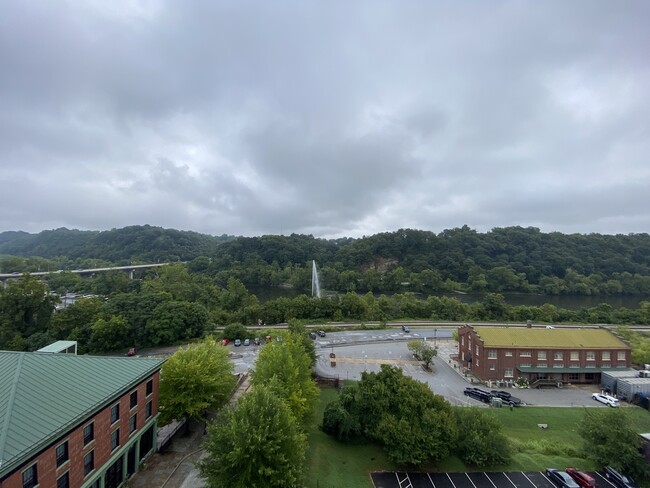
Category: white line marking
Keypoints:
(434, 485)
(489, 479)
(509, 480)
(470, 480)
(452, 483)
(604, 478)
(529, 480)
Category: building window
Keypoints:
(574, 365)
(115, 413)
(508, 373)
(606, 356)
(589, 376)
(558, 356)
(575, 356)
(462, 340)
(591, 356)
(620, 355)
(115, 439)
(89, 433)
(134, 399)
(541, 355)
(542, 365)
(147, 410)
(524, 354)
(574, 376)
(89, 463)
(477, 350)
(559, 365)
(477, 365)
(493, 367)
(149, 387)
(525, 365)
(61, 454)
(30, 477)
(133, 423)
(492, 353)
(605, 366)
(63, 481)
(508, 354)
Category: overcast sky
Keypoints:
(331, 118)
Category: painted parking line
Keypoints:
(440, 480)
(421, 480)
(384, 480)
(460, 480)
(403, 480)
(481, 480)
(519, 479)
(602, 480)
(540, 480)
(500, 480)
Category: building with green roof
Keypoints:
(541, 354)
(78, 421)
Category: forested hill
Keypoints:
(504, 259)
(135, 243)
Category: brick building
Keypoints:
(75, 421)
(570, 355)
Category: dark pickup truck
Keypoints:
(478, 394)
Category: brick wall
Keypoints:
(101, 445)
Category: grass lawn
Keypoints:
(333, 464)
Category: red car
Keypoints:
(582, 478)
(225, 342)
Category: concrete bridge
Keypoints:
(4, 277)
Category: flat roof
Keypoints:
(58, 346)
(558, 338)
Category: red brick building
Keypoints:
(75, 421)
(570, 355)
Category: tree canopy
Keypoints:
(256, 444)
(195, 379)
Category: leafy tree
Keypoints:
(174, 321)
(300, 332)
(194, 380)
(286, 368)
(402, 414)
(110, 334)
(481, 442)
(422, 352)
(236, 331)
(609, 438)
(256, 444)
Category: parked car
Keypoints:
(237, 342)
(321, 333)
(247, 342)
(606, 399)
(257, 341)
(312, 335)
(478, 394)
(561, 479)
(405, 328)
(618, 479)
(506, 397)
(225, 342)
(132, 352)
(583, 479)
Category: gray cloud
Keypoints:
(331, 119)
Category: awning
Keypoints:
(534, 369)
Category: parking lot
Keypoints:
(516, 479)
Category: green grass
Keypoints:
(333, 464)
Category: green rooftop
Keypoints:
(565, 338)
(45, 395)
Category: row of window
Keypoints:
(30, 475)
(559, 355)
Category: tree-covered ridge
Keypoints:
(134, 243)
(504, 259)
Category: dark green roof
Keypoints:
(44, 395)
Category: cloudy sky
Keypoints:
(331, 118)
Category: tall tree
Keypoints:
(256, 444)
(481, 441)
(195, 379)
(286, 368)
